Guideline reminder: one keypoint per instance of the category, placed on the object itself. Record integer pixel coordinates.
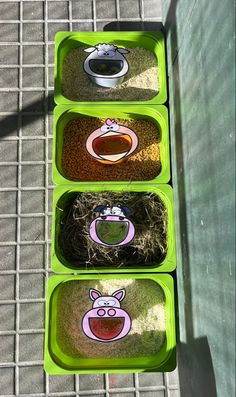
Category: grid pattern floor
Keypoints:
(27, 30)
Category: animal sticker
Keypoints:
(112, 227)
(106, 64)
(106, 321)
(112, 143)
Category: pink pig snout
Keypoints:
(110, 312)
(99, 316)
(107, 312)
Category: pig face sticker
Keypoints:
(106, 321)
(112, 143)
(112, 228)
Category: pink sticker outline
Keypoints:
(106, 306)
(112, 214)
(110, 124)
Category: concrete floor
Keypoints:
(27, 30)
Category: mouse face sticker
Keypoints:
(112, 228)
(111, 143)
(106, 65)
(106, 321)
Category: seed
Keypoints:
(140, 83)
(143, 164)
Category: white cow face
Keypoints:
(107, 61)
(106, 50)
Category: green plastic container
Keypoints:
(60, 198)
(153, 41)
(155, 114)
(57, 360)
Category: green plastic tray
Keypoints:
(61, 265)
(58, 362)
(153, 41)
(156, 114)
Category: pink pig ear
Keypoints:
(94, 294)
(120, 294)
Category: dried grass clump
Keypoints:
(141, 82)
(149, 217)
(77, 164)
(145, 303)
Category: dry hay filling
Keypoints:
(75, 214)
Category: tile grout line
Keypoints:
(26, 138)
(46, 104)
(24, 332)
(26, 215)
(23, 271)
(25, 65)
(83, 393)
(136, 384)
(106, 379)
(25, 89)
(25, 189)
(76, 377)
(141, 10)
(70, 15)
(27, 242)
(24, 113)
(166, 383)
(31, 162)
(76, 384)
(23, 300)
(94, 20)
(17, 293)
(118, 19)
(30, 21)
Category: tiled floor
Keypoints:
(27, 30)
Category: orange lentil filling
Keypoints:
(78, 164)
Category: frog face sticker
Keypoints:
(106, 321)
(112, 228)
(112, 143)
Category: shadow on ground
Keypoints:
(11, 123)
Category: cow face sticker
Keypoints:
(106, 64)
(106, 321)
(111, 143)
(112, 228)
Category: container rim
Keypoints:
(168, 360)
(166, 194)
(159, 115)
(93, 38)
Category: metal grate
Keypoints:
(27, 31)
